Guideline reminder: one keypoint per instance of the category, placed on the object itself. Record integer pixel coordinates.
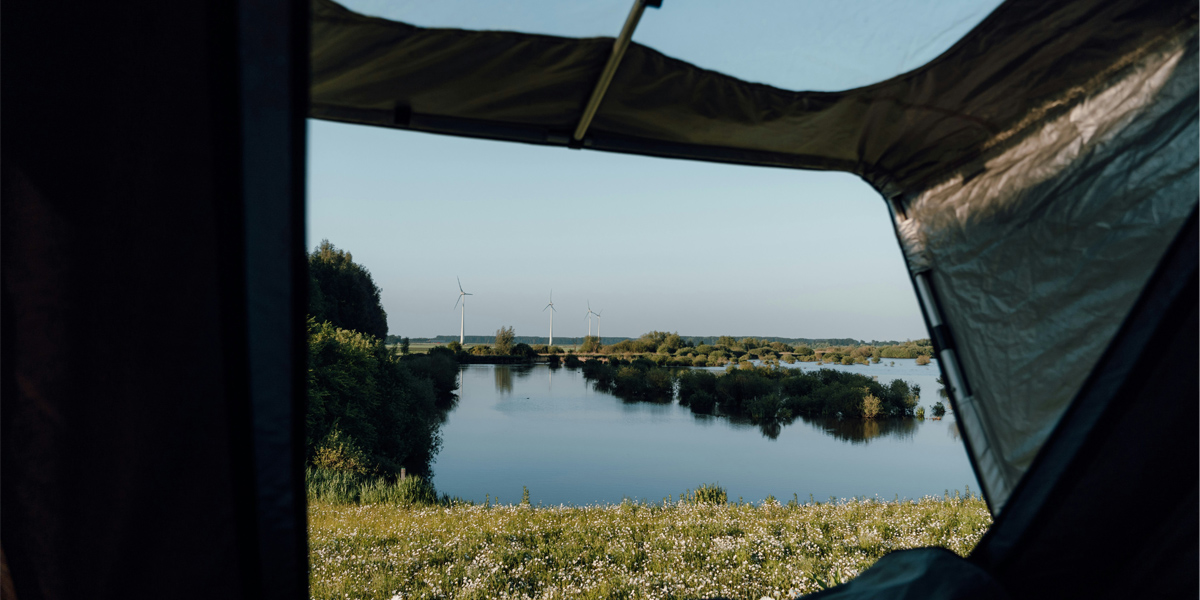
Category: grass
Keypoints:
(677, 549)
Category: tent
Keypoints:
(1041, 173)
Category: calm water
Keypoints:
(549, 430)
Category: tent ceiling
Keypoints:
(901, 135)
(823, 46)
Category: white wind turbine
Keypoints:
(462, 299)
(588, 316)
(552, 311)
(598, 322)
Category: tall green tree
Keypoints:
(504, 340)
(343, 293)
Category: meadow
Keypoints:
(696, 547)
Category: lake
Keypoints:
(547, 429)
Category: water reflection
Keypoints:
(579, 445)
(862, 431)
(504, 378)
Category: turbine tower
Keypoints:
(462, 299)
(588, 316)
(552, 311)
(598, 323)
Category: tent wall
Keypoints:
(1036, 255)
(1113, 496)
(153, 293)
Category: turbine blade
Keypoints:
(544, 309)
(459, 284)
(457, 301)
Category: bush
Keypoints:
(870, 406)
(939, 410)
(524, 351)
(454, 347)
(921, 412)
(337, 452)
(923, 359)
(376, 403)
(709, 493)
(340, 487)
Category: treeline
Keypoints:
(370, 412)
(760, 393)
(532, 340)
(671, 349)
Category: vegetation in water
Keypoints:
(697, 546)
(765, 395)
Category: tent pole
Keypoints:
(610, 68)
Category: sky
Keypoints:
(656, 244)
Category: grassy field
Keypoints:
(669, 550)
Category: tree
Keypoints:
(504, 340)
(368, 410)
(939, 410)
(591, 344)
(923, 359)
(404, 345)
(343, 293)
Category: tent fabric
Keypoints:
(898, 134)
(1038, 258)
(1035, 170)
(924, 573)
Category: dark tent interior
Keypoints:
(1041, 174)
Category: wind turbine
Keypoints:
(552, 311)
(588, 316)
(462, 298)
(598, 322)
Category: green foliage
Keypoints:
(921, 412)
(708, 493)
(939, 410)
(907, 349)
(404, 346)
(338, 452)
(342, 487)
(766, 395)
(870, 406)
(454, 347)
(524, 351)
(504, 341)
(590, 345)
(367, 410)
(343, 293)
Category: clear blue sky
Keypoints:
(697, 248)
